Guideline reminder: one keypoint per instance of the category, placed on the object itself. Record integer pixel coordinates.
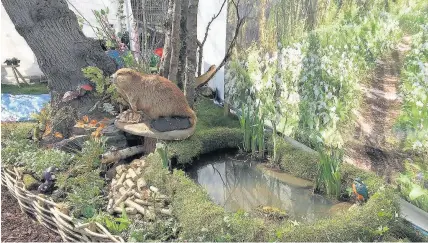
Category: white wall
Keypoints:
(215, 46)
(14, 45)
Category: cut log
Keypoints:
(110, 157)
(140, 209)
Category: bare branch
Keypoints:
(239, 24)
(201, 44)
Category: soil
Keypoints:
(17, 226)
(375, 146)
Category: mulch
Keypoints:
(17, 226)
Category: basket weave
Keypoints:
(48, 214)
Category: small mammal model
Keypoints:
(152, 96)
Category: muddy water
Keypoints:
(237, 185)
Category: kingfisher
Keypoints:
(360, 190)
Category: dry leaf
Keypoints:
(58, 135)
(48, 130)
(85, 119)
(101, 126)
(80, 124)
(93, 123)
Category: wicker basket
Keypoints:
(48, 213)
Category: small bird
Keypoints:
(360, 190)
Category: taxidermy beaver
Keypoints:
(155, 98)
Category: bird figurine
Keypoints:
(360, 190)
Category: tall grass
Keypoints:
(252, 126)
(329, 177)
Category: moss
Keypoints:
(360, 223)
(296, 161)
(213, 131)
(30, 182)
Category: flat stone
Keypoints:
(71, 144)
(144, 130)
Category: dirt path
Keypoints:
(372, 146)
(18, 227)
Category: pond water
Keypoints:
(236, 184)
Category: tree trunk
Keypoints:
(183, 33)
(175, 42)
(52, 31)
(191, 46)
(166, 57)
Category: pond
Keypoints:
(236, 184)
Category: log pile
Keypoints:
(129, 188)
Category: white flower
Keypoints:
(419, 103)
(329, 95)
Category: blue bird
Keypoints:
(360, 190)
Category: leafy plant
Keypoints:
(252, 126)
(162, 150)
(329, 177)
(103, 86)
(412, 184)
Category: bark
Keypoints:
(183, 33)
(52, 31)
(175, 42)
(166, 57)
(191, 46)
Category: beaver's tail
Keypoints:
(192, 117)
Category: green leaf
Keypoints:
(416, 192)
(103, 12)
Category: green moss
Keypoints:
(30, 182)
(360, 223)
(213, 131)
(34, 89)
(296, 161)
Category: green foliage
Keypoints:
(162, 150)
(412, 184)
(413, 89)
(39, 160)
(329, 177)
(34, 89)
(44, 116)
(252, 126)
(160, 230)
(117, 225)
(103, 86)
(85, 193)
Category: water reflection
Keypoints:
(240, 185)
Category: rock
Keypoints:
(76, 130)
(165, 124)
(72, 144)
(30, 182)
(118, 142)
(207, 92)
(114, 137)
(340, 207)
